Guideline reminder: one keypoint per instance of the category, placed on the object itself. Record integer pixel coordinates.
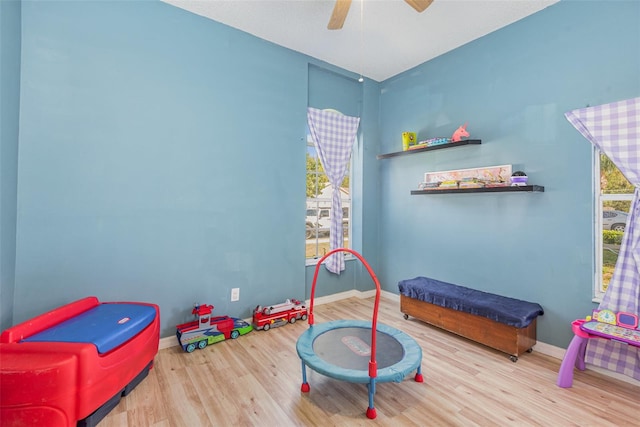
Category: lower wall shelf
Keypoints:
(515, 189)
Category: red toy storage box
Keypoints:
(71, 365)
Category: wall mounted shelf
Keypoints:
(521, 189)
(435, 147)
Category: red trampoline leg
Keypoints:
(305, 385)
(419, 378)
(371, 410)
(371, 413)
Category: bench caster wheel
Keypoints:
(514, 359)
(406, 316)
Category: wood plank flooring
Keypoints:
(255, 381)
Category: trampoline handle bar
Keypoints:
(374, 322)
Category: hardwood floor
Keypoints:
(255, 381)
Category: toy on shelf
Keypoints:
(460, 133)
(207, 329)
(519, 179)
(278, 315)
(604, 324)
(408, 140)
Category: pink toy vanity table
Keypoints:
(606, 324)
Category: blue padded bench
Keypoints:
(503, 323)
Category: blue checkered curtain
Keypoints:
(333, 135)
(615, 130)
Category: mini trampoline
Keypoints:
(357, 351)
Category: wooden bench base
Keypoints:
(508, 339)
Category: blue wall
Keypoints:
(157, 161)
(513, 87)
(9, 113)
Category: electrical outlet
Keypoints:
(235, 294)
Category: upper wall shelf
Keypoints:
(517, 189)
(435, 147)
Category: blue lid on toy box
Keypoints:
(107, 326)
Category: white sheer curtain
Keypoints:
(333, 135)
(615, 129)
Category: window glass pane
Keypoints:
(318, 208)
(612, 181)
(614, 219)
(614, 194)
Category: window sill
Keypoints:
(314, 261)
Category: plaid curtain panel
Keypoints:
(333, 135)
(615, 130)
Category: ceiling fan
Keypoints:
(341, 9)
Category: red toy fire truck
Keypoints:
(278, 315)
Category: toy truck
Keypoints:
(209, 329)
(276, 315)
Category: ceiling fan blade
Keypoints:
(339, 14)
(419, 5)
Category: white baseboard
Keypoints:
(168, 342)
(549, 350)
(544, 348)
(343, 295)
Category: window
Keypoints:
(613, 201)
(319, 206)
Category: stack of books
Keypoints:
(497, 184)
(448, 184)
(471, 183)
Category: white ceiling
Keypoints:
(394, 37)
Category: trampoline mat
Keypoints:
(350, 348)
